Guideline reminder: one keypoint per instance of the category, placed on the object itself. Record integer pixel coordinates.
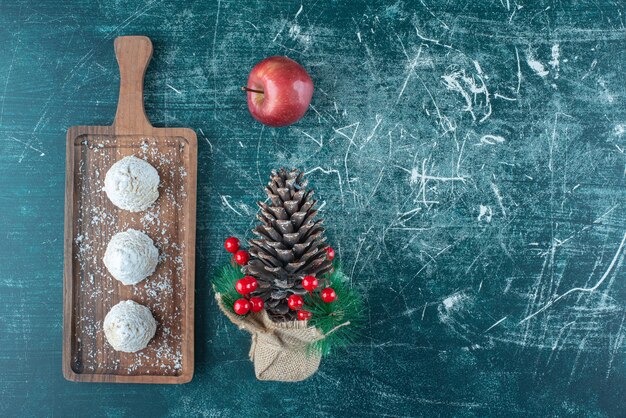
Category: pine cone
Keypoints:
(290, 243)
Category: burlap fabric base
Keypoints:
(279, 349)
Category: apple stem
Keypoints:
(252, 90)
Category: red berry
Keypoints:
(252, 284)
(241, 286)
(309, 283)
(241, 307)
(242, 257)
(330, 253)
(246, 285)
(329, 295)
(295, 302)
(304, 315)
(256, 304)
(231, 245)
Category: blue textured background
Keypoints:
(469, 160)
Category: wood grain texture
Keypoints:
(91, 220)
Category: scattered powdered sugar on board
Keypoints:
(96, 291)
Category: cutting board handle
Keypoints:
(133, 55)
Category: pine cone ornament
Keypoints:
(284, 288)
(290, 243)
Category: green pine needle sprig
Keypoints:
(224, 284)
(327, 317)
(348, 307)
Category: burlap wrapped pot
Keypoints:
(279, 349)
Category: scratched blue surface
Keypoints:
(469, 160)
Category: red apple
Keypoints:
(279, 91)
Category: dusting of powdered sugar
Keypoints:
(163, 292)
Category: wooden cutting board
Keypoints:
(91, 220)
